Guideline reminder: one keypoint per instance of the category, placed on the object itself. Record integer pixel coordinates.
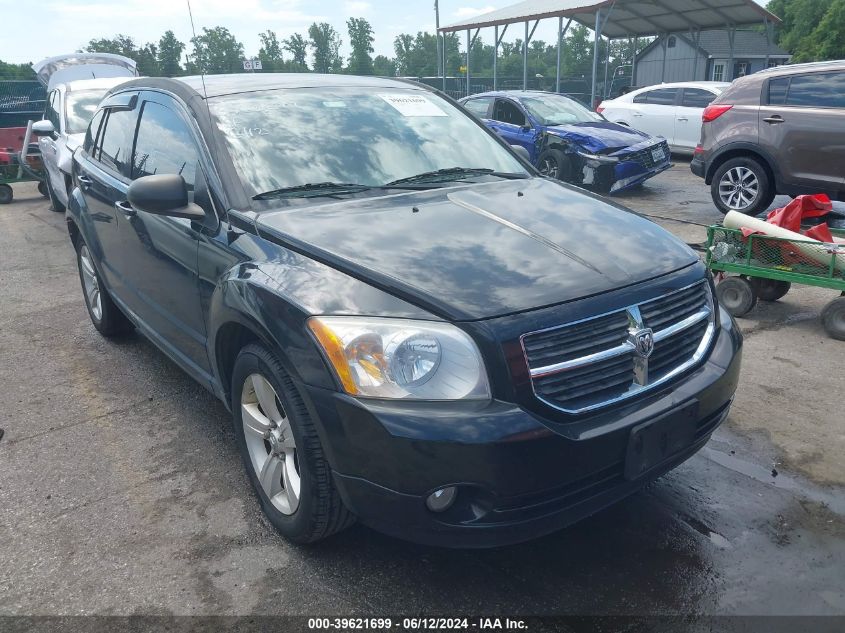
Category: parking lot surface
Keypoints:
(122, 491)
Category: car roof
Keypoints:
(683, 84)
(218, 85)
(103, 83)
(514, 93)
(792, 69)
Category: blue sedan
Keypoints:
(567, 141)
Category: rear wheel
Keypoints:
(770, 289)
(833, 319)
(737, 295)
(281, 450)
(105, 315)
(743, 185)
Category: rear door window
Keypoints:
(164, 145)
(663, 96)
(93, 129)
(697, 98)
(479, 107)
(819, 90)
(114, 149)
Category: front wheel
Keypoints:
(282, 452)
(553, 163)
(105, 315)
(743, 185)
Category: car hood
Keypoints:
(598, 136)
(64, 68)
(483, 250)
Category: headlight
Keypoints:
(395, 358)
(600, 159)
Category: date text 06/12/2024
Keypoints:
(417, 624)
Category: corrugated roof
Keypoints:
(629, 18)
(717, 44)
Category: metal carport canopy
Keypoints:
(617, 19)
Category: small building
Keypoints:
(710, 60)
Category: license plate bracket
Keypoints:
(655, 441)
(658, 154)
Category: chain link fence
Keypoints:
(20, 101)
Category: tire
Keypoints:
(42, 189)
(737, 295)
(770, 289)
(833, 319)
(6, 194)
(553, 163)
(55, 205)
(742, 184)
(104, 313)
(275, 435)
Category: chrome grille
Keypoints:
(593, 363)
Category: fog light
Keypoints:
(441, 500)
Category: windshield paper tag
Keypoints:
(413, 105)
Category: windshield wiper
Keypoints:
(309, 190)
(319, 189)
(454, 173)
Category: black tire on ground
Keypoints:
(42, 189)
(770, 289)
(111, 322)
(727, 172)
(6, 194)
(737, 295)
(555, 164)
(320, 511)
(55, 205)
(833, 319)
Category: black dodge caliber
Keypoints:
(409, 325)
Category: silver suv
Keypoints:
(777, 132)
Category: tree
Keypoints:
(298, 48)
(830, 34)
(270, 52)
(217, 51)
(361, 40)
(325, 43)
(170, 55)
(16, 71)
(384, 66)
(117, 45)
(812, 30)
(147, 61)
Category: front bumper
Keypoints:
(519, 476)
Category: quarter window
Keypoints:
(93, 128)
(819, 90)
(164, 145)
(115, 144)
(697, 98)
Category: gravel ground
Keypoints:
(123, 493)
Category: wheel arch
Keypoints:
(743, 151)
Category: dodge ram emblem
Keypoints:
(643, 342)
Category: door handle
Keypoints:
(84, 182)
(683, 119)
(637, 114)
(774, 120)
(125, 208)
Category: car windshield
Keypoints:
(280, 139)
(81, 106)
(558, 110)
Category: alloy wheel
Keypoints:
(91, 283)
(739, 188)
(548, 167)
(270, 443)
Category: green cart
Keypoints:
(765, 268)
(11, 173)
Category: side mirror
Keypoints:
(522, 152)
(164, 194)
(43, 128)
(525, 128)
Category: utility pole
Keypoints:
(441, 65)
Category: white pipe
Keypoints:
(820, 253)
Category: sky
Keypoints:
(43, 28)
